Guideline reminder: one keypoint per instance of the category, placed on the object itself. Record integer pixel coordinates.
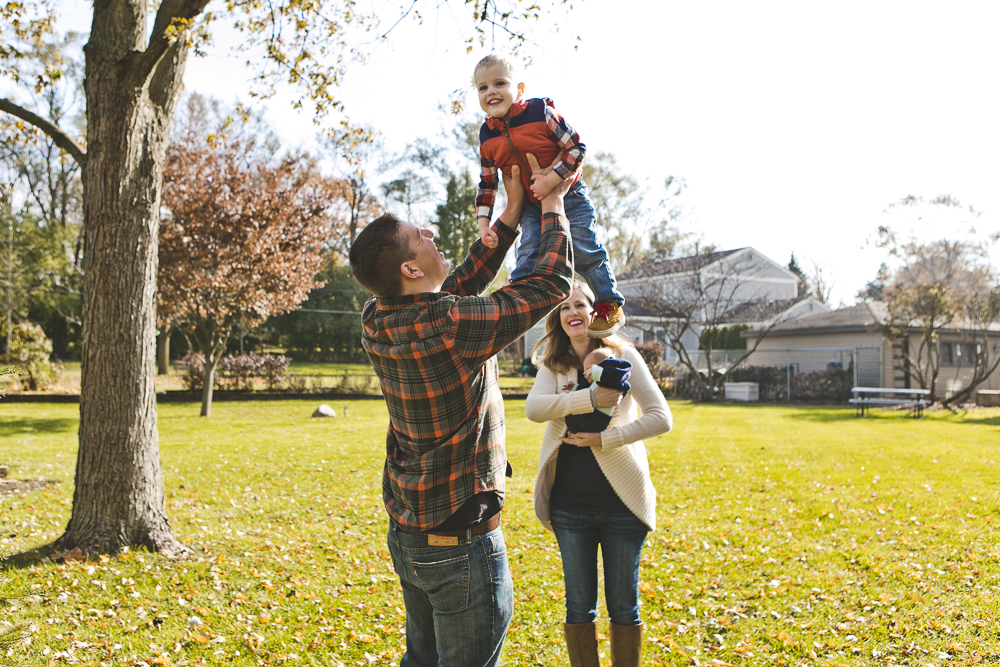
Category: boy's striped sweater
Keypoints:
(533, 126)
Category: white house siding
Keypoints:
(757, 278)
(954, 378)
(830, 340)
(812, 352)
(771, 352)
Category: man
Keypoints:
(432, 341)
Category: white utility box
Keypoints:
(742, 391)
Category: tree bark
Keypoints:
(211, 363)
(131, 95)
(163, 351)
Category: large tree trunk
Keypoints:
(131, 95)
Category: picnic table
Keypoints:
(866, 397)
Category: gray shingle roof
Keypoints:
(863, 317)
(759, 311)
(663, 267)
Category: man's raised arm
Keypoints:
(480, 267)
(487, 325)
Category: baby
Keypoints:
(600, 369)
(515, 127)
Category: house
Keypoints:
(744, 286)
(855, 335)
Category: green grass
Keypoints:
(787, 535)
(324, 368)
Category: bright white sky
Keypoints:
(794, 123)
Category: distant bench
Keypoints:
(866, 397)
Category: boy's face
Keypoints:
(496, 90)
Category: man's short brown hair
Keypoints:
(376, 255)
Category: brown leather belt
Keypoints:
(490, 524)
(445, 538)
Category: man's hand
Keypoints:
(553, 201)
(607, 398)
(511, 215)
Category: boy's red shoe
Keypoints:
(608, 318)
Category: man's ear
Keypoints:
(410, 270)
(520, 91)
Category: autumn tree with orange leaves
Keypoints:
(244, 239)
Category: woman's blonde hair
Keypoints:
(555, 351)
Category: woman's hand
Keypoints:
(607, 398)
(592, 440)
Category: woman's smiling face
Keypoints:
(574, 314)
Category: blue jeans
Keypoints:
(459, 599)
(621, 536)
(590, 259)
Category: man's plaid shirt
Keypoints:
(434, 356)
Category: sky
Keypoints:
(794, 124)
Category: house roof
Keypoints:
(861, 318)
(663, 267)
(752, 311)
(759, 311)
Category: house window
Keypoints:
(959, 354)
(947, 354)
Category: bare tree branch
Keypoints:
(61, 139)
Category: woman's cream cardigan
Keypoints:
(622, 454)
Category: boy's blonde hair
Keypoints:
(505, 62)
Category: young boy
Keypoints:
(600, 369)
(513, 128)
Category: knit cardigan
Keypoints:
(622, 454)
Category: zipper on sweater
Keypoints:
(517, 154)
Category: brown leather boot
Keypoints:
(581, 644)
(626, 645)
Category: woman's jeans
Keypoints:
(459, 599)
(590, 258)
(621, 536)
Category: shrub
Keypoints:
(814, 386)
(194, 370)
(6, 371)
(772, 381)
(651, 352)
(236, 371)
(823, 386)
(30, 350)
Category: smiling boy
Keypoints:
(515, 127)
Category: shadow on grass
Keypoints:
(14, 427)
(25, 559)
(828, 413)
(967, 418)
(802, 411)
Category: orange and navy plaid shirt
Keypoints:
(434, 355)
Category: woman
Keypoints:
(594, 488)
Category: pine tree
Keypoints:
(874, 290)
(804, 287)
(456, 219)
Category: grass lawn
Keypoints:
(787, 535)
(324, 368)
